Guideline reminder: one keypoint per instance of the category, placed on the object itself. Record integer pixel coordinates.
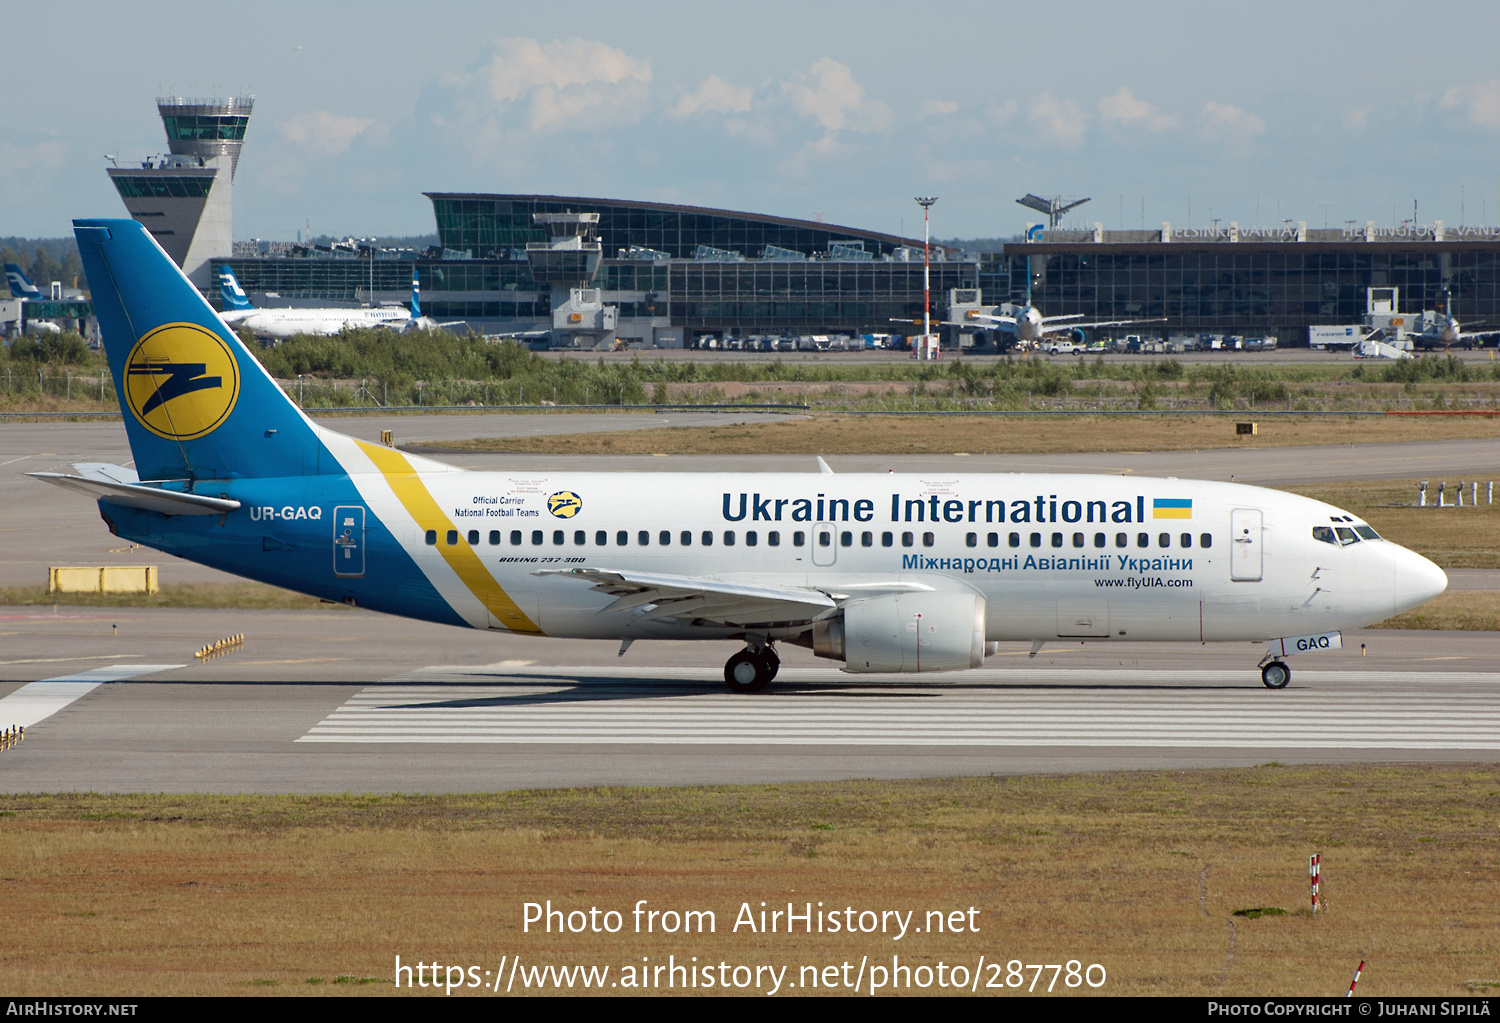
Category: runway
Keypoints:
(350, 701)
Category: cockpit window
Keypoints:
(1367, 532)
(1346, 535)
(1325, 533)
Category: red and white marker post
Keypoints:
(1361, 969)
(1315, 877)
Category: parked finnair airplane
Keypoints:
(283, 323)
(913, 572)
(20, 285)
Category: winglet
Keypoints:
(823, 466)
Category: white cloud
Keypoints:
(938, 107)
(564, 84)
(829, 94)
(1229, 124)
(1482, 100)
(324, 134)
(1123, 108)
(714, 96)
(41, 155)
(1062, 119)
(999, 113)
(1354, 120)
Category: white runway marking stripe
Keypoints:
(600, 706)
(37, 701)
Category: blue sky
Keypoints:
(1181, 112)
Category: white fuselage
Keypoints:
(283, 323)
(1075, 557)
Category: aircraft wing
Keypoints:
(712, 600)
(96, 483)
(1099, 323)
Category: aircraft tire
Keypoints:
(772, 663)
(746, 673)
(1276, 675)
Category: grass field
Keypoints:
(1141, 872)
(212, 595)
(900, 435)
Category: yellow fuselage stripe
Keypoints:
(461, 557)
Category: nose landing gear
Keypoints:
(1275, 675)
(751, 670)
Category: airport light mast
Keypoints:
(926, 203)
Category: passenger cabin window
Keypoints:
(1077, 539)
(644, 538)
(1325, 534)
(1121, 540)
(867, 539)
(1099, 540)
(494, 538)
(1205, 540)
(799, 538)
(515, 538)
(452, 537)
(1057, 539)
(622, 538)
(728, 538)
(1164, 540)
(751, 538)
(928, 540)
(1036, 539)
(664, 538)
(1143, 539)
(536, 538)
(473, 538)
(1015, 540)
(907, 539)
(708, 538)
(579, 537)
(971, 540)
(773, 538)
(1187, 539)
(993, 539)
(887, 539)
(601, 538)
(431, 538)
(687, 538)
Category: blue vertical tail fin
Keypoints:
(20, 285)
(196, 404)
(416, 295)
(230, 292)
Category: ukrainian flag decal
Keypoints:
(1171, 507)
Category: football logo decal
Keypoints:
(564, 504)
(181, 381)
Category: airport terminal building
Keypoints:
(588, 270)
(677, 273)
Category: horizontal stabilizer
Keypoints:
(135, 495)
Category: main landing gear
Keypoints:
(1275, 675)
(750, 670)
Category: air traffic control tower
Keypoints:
(185, 198)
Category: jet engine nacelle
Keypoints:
(906, 632)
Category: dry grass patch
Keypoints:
(1139, 871)
(1467, 610)
(895, 435)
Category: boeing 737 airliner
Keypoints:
(912, 572)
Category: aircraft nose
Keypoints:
(1417, 580)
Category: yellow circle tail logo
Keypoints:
(564, 504)
(181, 381)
